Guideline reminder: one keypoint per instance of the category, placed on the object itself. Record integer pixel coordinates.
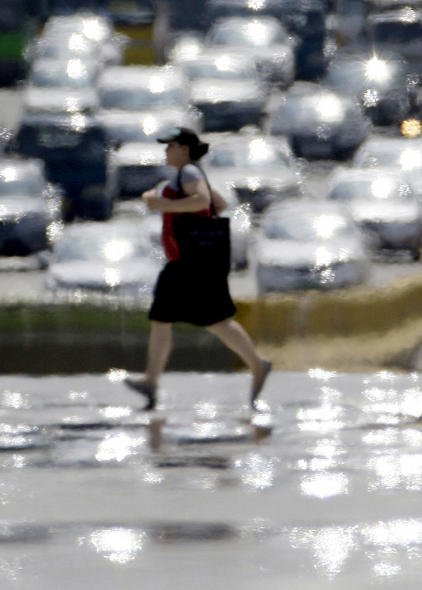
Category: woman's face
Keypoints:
(177, 155)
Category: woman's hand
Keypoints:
(152, 199)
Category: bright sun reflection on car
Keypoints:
(382, 188)
(116, 250)
(8, 174)
(410, 159)
(330, 109)
(224, 63)
(257, 33)
(150, 125)
(326, 226)
(156, 85)
(76, 42)
(256, 4)
(376, 70)
(92, 30)
(75, 68)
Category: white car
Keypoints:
(261, 169)
(382, 202)
(116, 257)
(263, 38)
(308, 244)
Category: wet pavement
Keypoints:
(320, 489)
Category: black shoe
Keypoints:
(147, 390)
(257, 390)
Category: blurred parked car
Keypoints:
(68, 46)
(308, 245)
(305, 19)
(140, 160)
(226, 89)
(381, 85)
(140, 88)
(261, 169)
(115, 257)
(383, 203)
(76, 153)
(264, 39)
(62, 86)
(319, 123)
(79, 34)
(401, 152)
(398, 31)
(30, 208)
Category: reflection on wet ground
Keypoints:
(319, 489)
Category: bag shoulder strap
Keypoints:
(182, 193)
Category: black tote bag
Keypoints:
(203, 241)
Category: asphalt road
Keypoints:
(22, 276)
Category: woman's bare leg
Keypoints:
(234, 337)
(159, 348)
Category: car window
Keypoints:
(379, 189)
(307, 227)
(111, 251)
(396, 32)
(356, 76)
(134, 99)
(14, 182)
(75, 73)
(253, 34)
(256, 154)
(223, 70)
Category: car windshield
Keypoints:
(222, 68)
(379, 189)
(255, 154)
(128, 133)
(307, 226)
(255, 34)
(407, 158)
(324, 108)
(72, 74)
(359, 75)
(75, 45)
(397, 32)
(108, 251)
(135, 99)
(15, 182)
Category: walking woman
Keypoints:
(187, 293)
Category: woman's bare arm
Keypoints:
(197, 198)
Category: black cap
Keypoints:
(188, 137)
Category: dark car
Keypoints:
(319, 123)
(261, 169)
(76, 153)
(382, 85)
(139, 158)
(226, 89)
(30, 208)
(398, 31)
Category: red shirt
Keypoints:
(171, 247)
